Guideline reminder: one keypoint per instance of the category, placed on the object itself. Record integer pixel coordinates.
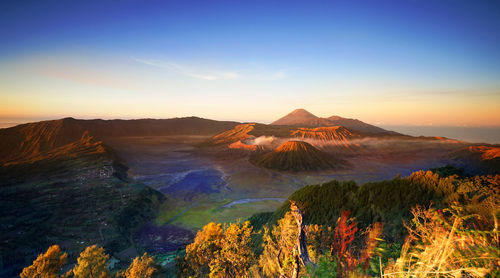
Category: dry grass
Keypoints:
(444, 246)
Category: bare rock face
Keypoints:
(297, 156)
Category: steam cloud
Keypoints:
(262, 140)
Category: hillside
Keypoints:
(301, 117)
(73, 195)
(481, 159)
(390, 201)
(297, 156)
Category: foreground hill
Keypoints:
(73, 195)
(30, 140)
(301, 117)
(297, 156)
(390, 201)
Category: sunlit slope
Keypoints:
(483, 159)
(335, 135)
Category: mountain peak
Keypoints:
(303, 118)
(302, 112)
(297, 116)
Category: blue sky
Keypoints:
(386, 62)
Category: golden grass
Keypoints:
(440, 246)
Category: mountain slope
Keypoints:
(297, 156)
(74, 195)
(301, 117)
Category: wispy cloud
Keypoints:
(190, 71)
(251, 72)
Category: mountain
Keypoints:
(301, 117)
(358, 125)
(297, 117)
(60, 183)
(74, 195)
(30, 140)
(297, 156)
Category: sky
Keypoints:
(383, 62)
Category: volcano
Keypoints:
(303, 118)
(297, 156)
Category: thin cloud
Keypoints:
(253, 72)
(189, 71)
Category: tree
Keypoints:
(344, 235)
(202, 251)
(319, 240)
(46, 265)
(218, 252)
(144, 266)
(93, 263)
(235, 256)
(279, 258)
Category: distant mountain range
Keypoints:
(47, 139)
(302, 117)
(34, 139)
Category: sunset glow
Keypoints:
(432, 63)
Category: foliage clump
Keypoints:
(93, 262)
(46, 265)
(219, 252)
(142, 267)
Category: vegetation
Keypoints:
(390, 202)
(449, 228)
(442, 244)
(347, 233)
(92, 262)
(47, 265)
(219, 252)
(144, 266)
